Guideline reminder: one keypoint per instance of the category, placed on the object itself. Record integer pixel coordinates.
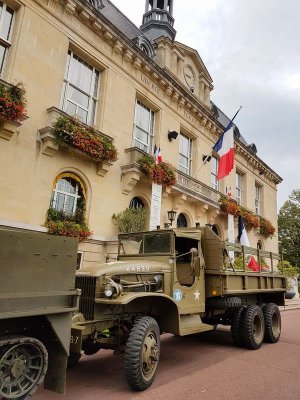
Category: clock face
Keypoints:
(189, 76)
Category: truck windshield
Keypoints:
(145, 243)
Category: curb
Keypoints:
(290, 305)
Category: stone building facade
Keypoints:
(133, 85)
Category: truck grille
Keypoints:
(87, 298)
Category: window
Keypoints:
(80, 90)
(143, 127)
(185, 154)
(239, 188)
(136, 202)
(67, 195)
(257, 198)
(214, 172)
(182, 221)
(6, 20)
(79, 259)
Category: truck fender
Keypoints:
(163, 308)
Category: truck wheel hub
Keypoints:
(18, 368)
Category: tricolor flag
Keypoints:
(225, 148)
(242, 236)
(157, 155)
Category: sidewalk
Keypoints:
(290, 305)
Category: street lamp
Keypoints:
(171, 218)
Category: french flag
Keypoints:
(157, 155)
(225, 148)
(242, 236)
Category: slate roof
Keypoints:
(117, 18)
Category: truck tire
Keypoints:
(272, 323)
(223, 303)
(142, 353)
(23, 366)
(73, 359)
(236, 326)
(253, 327)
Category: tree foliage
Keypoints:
(289, 228)
(131, 220)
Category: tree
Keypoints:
(289, 228)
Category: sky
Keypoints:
(251, 49)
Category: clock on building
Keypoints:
(189, 76)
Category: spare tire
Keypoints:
(223, 303)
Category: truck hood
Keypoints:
(125, 267)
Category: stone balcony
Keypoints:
(51, 148)
(186, 188)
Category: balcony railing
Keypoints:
(185, 184)
(196, 189)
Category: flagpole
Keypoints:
(210, 154)
(235, 115)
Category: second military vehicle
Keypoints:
(37, 298)
(181, 281)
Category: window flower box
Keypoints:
(162, 173)
(59, 223)
(12, 108)
(67, 132)
(251, 221)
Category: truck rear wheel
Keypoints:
(253, 327)
(23, 366)
(142, 353)
(236, 326)
(272, 322)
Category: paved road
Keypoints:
(199, 367)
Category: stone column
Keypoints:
(154, 3)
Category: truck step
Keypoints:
(190, 324)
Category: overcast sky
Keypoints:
(251, 49)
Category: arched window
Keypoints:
(215, 230)
(136, 202)
(68, 194)
(182, 221)
(259, 245)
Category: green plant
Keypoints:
(162, 173)
(289, 271)
(131, 220)
(73, 133)
(12, 102)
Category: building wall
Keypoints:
(43, 34)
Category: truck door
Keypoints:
(188, 283)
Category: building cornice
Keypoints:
(256, 162)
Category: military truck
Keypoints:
(37, 298)
(181, 281)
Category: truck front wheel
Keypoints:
(273, 323)
(142, 353)
(253, 327)
(23, 366)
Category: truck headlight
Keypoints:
(108, 290)
(112, 290)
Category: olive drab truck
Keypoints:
(180, 281)
(37, 298)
